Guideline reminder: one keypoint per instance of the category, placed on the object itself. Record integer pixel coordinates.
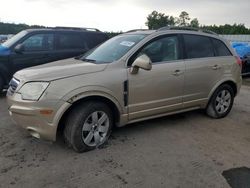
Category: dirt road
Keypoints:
(185, 150)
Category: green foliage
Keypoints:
(194, 23)
(183, 19)
(113, 34)
(157, 20)
(10, 28)
(228, 29)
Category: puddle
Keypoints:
(238, 177)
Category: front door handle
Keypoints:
(216, 67)
(177, 72)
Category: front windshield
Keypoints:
(113, 49)
(14, 39)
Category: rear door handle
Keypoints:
(216, 67)
(177, 72)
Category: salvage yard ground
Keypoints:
(246, 81)
(185, 150)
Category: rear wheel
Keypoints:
(221, 102)
(88, 126)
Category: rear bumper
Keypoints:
(32, 117)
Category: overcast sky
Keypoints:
(117, 15)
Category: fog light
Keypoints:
(33, 133)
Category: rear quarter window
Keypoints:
(198, 46)
(220, 48)
(93, 39)
(66, 41)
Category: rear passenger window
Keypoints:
(71, 41)
(94, 39)
(198, 46)
(221, 48)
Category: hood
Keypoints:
(58, 70)
(4, 50)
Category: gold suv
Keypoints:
(132, 77)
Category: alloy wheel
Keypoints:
(95, 129)
(223, 101)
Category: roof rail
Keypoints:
(77, 28)
(134, 30)
(187, 28)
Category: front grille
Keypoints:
(13, 86)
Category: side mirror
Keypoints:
(19, 48)
(142, 62)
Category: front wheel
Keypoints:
(88, 126)
(221, 102)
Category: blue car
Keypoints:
(243, 51)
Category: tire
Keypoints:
(88, 126)
(221, 102)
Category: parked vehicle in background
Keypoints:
(3, 38)
(39, 46)
(243, 51)
(246, 65)
(132, 77)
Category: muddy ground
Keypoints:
(185, 150)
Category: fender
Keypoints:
(84, 92)
(218, 84)
(91, 91)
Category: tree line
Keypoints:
(155, 20)
(11, 28)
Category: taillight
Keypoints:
(238, 61)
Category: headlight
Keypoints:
(33, 90)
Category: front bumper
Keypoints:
(39, 118)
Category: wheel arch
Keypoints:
(229, 82)
(116, 111)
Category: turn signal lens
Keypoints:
(46, 112)
(238, 61)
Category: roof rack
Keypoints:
(77, 28)
(135, 30)
(187, 28)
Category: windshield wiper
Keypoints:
(89, 60)
(78, 57)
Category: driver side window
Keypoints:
(39, 42)
(161, 50)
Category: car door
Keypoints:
(203, 69)
(37, 49)
(160, 90)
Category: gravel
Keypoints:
(184, 150)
